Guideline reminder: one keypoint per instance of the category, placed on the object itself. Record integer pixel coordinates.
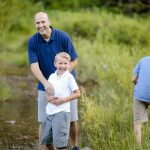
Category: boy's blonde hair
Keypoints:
(63, 55)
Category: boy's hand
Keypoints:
(57, 101)
(50, 98)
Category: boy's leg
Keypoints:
(51, 147)
(60, 128)
(46, 135)
(42, 147)
(140, 116)
(42, 102)
(60, 149)
(73, 124)
(45, 147)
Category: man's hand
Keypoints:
(49, 89)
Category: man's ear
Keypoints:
(69, 64)
(49, 22)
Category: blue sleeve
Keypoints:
(32, 53)
(69, 48)
(137, 68)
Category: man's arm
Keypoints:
(38, 74)
(134, 78)
(73, 64)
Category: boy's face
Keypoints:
(62, 65)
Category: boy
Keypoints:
(57, 124)
(141, 79)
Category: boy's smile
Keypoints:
(62, 65)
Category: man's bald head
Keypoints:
(41, 14)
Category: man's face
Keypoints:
(42, 24)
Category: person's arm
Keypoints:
(73, 64)
(134, 78)
(58, 101)
(70, 49)
(38, 74)
(74, 95)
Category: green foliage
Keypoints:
(5, 91)
(128, 7)
(17, 59)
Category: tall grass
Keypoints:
(107, 124)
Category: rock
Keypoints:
(12, 122)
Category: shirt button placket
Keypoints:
(47, 47)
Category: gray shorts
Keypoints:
(42, 102)
(55, 130)
(140, 111)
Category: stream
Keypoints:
(18, 125)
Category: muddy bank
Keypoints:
(19, 87)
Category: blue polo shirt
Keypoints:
(44, 52)
(142, 88)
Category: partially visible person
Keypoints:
(141, 79)
(42, 48)
(55, 129)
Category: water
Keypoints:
(18, 125)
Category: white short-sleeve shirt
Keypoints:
(63, 85)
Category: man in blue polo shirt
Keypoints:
(42, 48)
(141, 79)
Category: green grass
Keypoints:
(5, 90)
(109, 126)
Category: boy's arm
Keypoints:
(134, 78)
(74, 95)
(58, 101)
(49, 97)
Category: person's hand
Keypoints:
(49, 98)
(49, 89)
(57, 101)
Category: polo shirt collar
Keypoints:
(63, 75)
(52, 35)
